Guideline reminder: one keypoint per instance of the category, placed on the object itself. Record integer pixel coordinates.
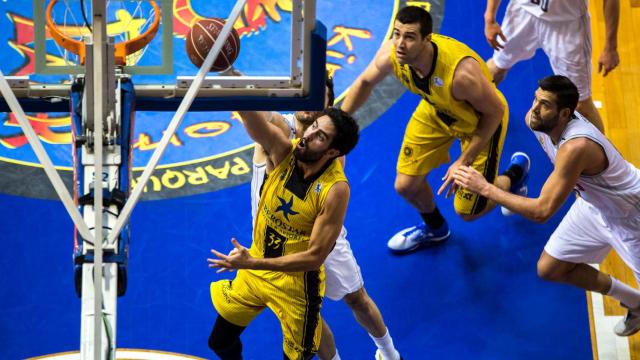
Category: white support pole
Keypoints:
(297, 22)
(44, 159)
(309, 26)
(100, 76)
(177, 119)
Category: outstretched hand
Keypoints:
(449, 181)
(238, 258)
(470, 179)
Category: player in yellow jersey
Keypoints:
(299, 217)
(458, 101)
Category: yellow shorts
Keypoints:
(295, 299)
(426, 146)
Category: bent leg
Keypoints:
(579, 275)
(498, 73)
(469, 205)
(366, 312)
(416, 191)
(225, 339)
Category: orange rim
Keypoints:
(121, 49)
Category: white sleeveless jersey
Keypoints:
(260, 171)
(555, 10)
(616, 190)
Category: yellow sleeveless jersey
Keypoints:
(288, 208)
(435, 88)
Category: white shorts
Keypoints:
(342, 272)
(584, 236)
(566, 43)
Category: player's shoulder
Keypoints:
(467, 73)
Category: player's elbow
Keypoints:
(542, 214)
(314, 260)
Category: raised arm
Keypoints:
(375, 72)
(491, 27)
(259, 154)
(572, 159)
(326, 230)
(609, 58)
(261, 129)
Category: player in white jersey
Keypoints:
(343, 278)
(606, 212)
(562, 29)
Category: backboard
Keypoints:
(161, 71)
(211, 150)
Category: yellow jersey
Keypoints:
(288, 208)
(435, 88)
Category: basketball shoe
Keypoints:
(414, 237)
(630, 324)
(519, 187)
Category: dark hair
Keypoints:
(347, 128)
(415, 14)
(564, 89)
(330, 94)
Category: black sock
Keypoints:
(225, 339)
(433, 219)
(514, 173)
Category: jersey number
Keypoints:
(273, 243)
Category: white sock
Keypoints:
(336, 356)
(385, 345)
(624, 293)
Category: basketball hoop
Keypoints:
(122, 49)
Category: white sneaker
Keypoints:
(379, 356)
(414, 237)
(630, 324)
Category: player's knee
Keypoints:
(357, 300)
(497, 73)
(405, 188)
(467, 217)
(550, 269)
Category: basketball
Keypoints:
(201, 38)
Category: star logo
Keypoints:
(286, 207)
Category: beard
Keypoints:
(306, 118)
(304, 155)
(544, 125)
(307, 156)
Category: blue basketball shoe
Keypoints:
(414, 237)
(519, 187)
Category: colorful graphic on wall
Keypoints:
(210, 150)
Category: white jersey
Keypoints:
(615, 192)
(260, 171)
(555, 10)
